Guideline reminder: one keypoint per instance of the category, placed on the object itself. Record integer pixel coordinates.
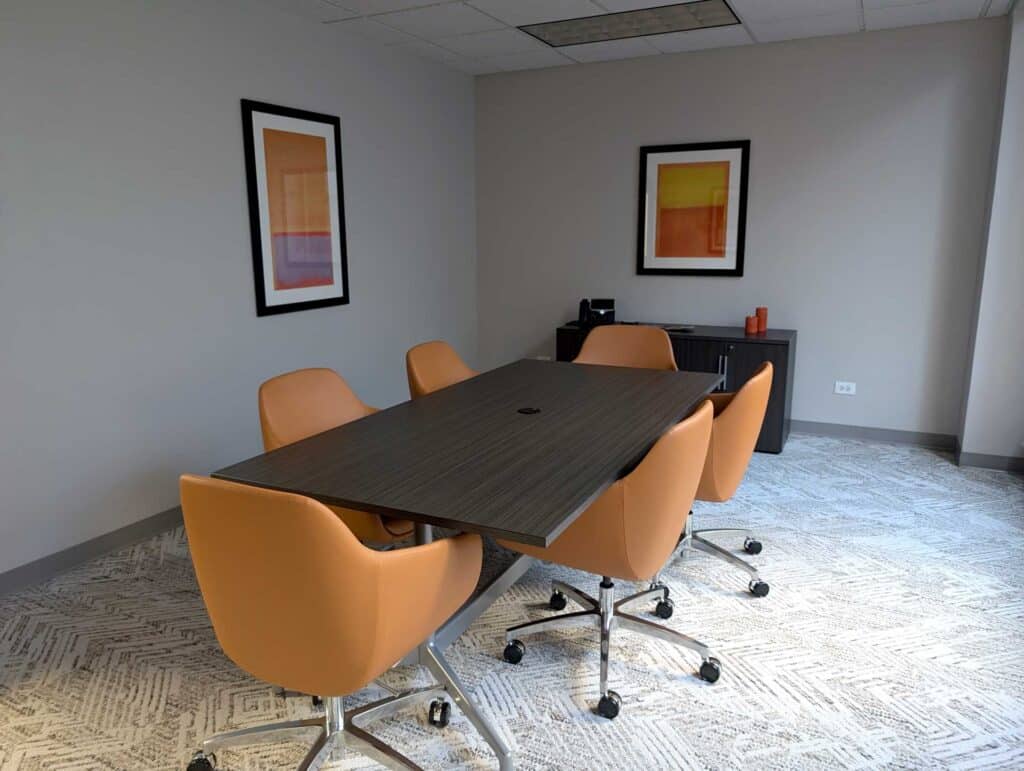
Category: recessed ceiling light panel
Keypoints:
(678, 17)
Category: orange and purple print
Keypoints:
(691, 209)
(300, 209)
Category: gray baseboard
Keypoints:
(982, 460)
(54, 564)
(894, 436)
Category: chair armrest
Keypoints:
(421, 587)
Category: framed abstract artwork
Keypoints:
(296, 208)
(693, 209)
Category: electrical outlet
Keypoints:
(846, 388)
(542, 358)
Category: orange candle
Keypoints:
(762, 318)
(751, 326)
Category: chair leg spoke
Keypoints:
(385, 708)
(579, 618)
(318, 753)
(372, 747)
(580, 598)
(659, 592)
(717, 551)
(649, 628)
(257, 734)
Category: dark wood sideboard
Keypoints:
(728, 351)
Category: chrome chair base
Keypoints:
(338, 729)
(693, 540)
(606, 615)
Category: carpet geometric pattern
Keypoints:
(893, 637)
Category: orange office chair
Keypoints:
(272, 566)
(433, 366)
(305, 402)
(628, 345)
(738, 419)
(628, 533)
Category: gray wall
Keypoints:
(129, 343)
(994, 413)
(871, 164)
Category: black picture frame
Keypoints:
(250, 106)
(741, 230)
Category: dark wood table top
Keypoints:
(466, 458)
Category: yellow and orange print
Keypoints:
(692, 204)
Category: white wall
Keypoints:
(994, 413)
(130, 350)
(870, 165)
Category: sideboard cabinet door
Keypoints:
(743, 362)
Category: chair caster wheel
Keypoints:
(664, 589)
(558, 600)
(440, 713)
(318, 703)
(664, 608)
(513, 652)
(609, 705)
(202, 762)
(758, 588)
(710, 670)
(752, 546)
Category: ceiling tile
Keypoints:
(520, 12)
(425, 50)
(639, 5)
(999, 7)
(699, 39)
(529, 61)
(315, 10)
(438, 21)
(367, 7)
(493, 43)
(609, 49)
(774, 10)
(892, 3)
(474, 66)
(807, 26)
(367, 29)
(878, 17)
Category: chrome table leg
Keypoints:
(450, 682)
(429, 656)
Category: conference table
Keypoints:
(517, 453)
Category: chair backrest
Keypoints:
(628, 345)
(658, 494)
(433, 366)
(733, 437)
(305, 402)
(290, 591)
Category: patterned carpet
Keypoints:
(893, 637)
